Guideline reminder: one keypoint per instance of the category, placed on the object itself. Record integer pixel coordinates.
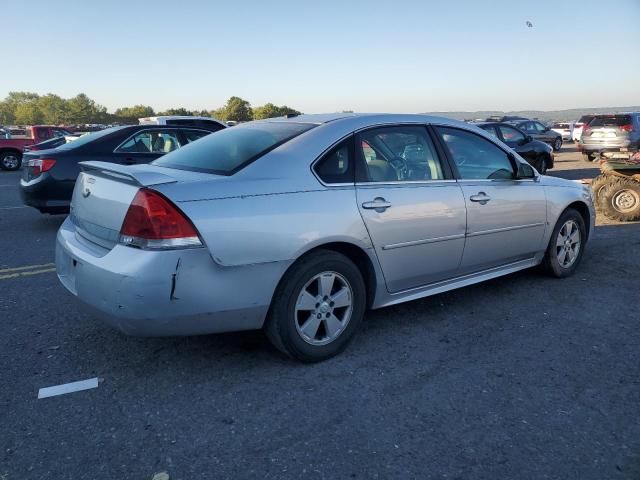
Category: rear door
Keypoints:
(146, 145)
(506, 217)
(412, 207)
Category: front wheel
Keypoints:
(317, 307)
(566, 245)
(557, 144)
(541, 165)
(597, 186)
(620, 200)
(10, 161)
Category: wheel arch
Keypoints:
(10, 150)
(584, 212)
(353, 252)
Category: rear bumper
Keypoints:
(44, 192)
(593, 147)
(163, 293)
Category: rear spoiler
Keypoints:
(133, 174)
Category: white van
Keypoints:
(207, 123)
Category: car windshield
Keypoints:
(229, 150)
(610, 121)
(89, 137)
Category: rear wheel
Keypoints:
(566, 245)
(317, 307)
(10, 160)
(557, 144)
(620, 199)
(588, 157)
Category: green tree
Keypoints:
(28, 114)
(176, 111)
(269, 110)
(54, 109)
(84, 110)
(7, 116)
(132, 114)
(236, 109)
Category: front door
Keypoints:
(506, 217)
(413, 209)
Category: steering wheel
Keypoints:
(400, 166)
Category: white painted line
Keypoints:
(68, 388)
(16, 185)
(12, 208)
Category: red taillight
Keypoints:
(40, 165)
(152, 221)
(626, 128)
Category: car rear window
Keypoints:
(585, 119)
(231, 149)
(89, 137)
(610, 121)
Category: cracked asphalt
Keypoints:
(523, 377)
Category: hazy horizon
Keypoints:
(362, 56)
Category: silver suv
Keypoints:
(618, 132)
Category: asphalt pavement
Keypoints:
(523, 377)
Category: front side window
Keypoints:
(231, 149)
(511, 135)
(539, 127)
(336, 166)
(151, 141)
(403, 153)
(476, 157)
(491, 130)
(527, 127)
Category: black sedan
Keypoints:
(539, 131)
(537, 153)
(50, 175)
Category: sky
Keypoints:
(329, 55)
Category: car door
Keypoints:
(506, 216)
(146, 145)
(412, 207)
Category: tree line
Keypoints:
(27, 108)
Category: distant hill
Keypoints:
(549, 115)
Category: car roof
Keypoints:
(357, 119)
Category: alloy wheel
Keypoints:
(568, 244)
(323, 308)
(10, 162)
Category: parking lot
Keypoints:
(520, 377)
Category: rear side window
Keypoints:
(491, 130)
(231, 149)
(193, 135)
(337, 166)
(610, 121)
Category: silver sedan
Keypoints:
(299, 225)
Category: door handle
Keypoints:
(378, 204)
(481, 197)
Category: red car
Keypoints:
(11, 149)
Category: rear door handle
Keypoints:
(481, 197)
(378, 204)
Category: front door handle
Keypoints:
(378, 204)
(481, 197)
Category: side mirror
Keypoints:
(526, 171)
(529, 138)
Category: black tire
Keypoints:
(557, 144)
(541, 164)
(620, 199)
(597, 185)
(588, 157)
(282, 325)
(10, 161)
(550, 263)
